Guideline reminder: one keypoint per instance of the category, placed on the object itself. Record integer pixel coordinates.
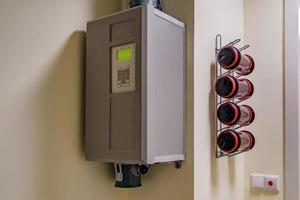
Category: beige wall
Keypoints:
(264, 32)
(42, 55)
(215, 179)
(42, 59)
(164, 182)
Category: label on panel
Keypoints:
(123, 68)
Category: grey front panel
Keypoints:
(113, 120)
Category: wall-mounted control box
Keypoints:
(135, 87)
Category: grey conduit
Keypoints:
(156, 3)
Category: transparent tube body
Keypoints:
(247, 115)
(247, 140)
(246, 65)
(245, 89)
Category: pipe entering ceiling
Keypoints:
(156, 3)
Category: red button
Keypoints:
(270, 183)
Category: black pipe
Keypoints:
(129, 176)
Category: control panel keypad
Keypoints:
(123, 68)
(124, 77)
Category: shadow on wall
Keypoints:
(62, 171)
(212, 111)
(260, 194)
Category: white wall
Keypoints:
(264, 32)
(215, 179)
(42, 60)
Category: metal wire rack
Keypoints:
(219, 72)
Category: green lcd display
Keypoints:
(124, 54)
